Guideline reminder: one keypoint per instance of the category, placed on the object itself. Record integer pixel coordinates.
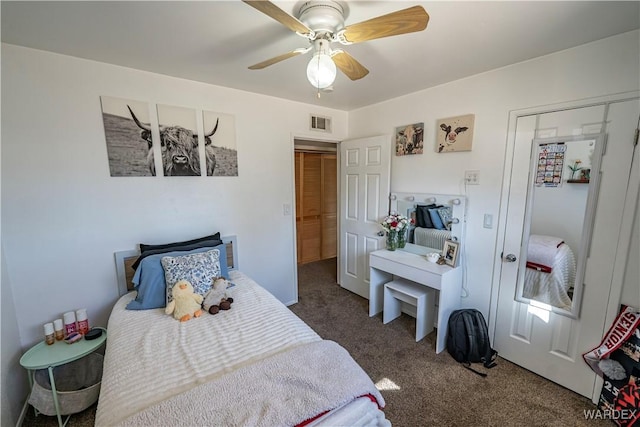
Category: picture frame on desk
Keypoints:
(450, 252)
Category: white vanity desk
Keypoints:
(411, 264)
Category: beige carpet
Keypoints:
(425, 389)
(420, 387)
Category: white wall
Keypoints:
(63, 216)
(604, 67)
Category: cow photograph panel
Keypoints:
(455, 133)
(220, 149)
(178, 141)
(128, 136)
(409, 139)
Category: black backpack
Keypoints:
(468, 339)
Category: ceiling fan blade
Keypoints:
(403, 21)
(279, 15)
(276, 59)
(348, 65)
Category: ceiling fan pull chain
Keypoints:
(318, 81)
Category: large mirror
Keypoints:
(561, 200)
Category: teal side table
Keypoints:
(43, 356)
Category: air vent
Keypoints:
(320, 123)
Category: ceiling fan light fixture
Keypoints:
(321, 71)
(322, 23)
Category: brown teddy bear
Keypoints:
(218, 297)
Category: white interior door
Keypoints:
(365, 165)
(542, 341)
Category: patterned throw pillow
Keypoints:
(199, 269)
(445, 215)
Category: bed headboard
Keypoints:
(125, 259)
(405, 202)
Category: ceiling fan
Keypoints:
(322, 23)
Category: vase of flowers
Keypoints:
(396, 227)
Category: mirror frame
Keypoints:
(458, 210)
(599, 141)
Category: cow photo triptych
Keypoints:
(182, 148)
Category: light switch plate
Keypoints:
(472, 177)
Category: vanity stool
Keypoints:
(419, 296)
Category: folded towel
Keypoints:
(550, 241)
(542, 251)
(361, 412)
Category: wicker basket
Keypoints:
(77, 383)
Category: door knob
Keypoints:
(380, 233)
(510, 258)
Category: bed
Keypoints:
(256, 364)
(550, 272)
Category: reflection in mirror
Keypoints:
(436, 217)
(557, 230)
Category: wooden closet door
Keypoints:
(311, 207)
(298, 184)
(316, 178)
(329, 206)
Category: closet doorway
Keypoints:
(316, 190)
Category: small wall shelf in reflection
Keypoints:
(578, 181)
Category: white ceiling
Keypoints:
(215, 41)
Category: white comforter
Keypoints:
(152, 358)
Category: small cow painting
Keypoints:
(455, 133)
(220, 147)
(410, 139)
(128, 154)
